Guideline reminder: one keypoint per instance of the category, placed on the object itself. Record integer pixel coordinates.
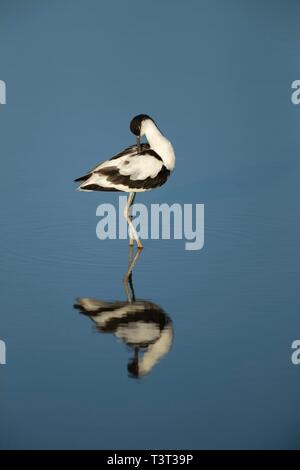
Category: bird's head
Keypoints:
(140, 124)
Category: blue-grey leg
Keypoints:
(132, 232)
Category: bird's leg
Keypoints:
(127, 216)
(128, 285)
(132, 232)
(131, 226)
(130, 258)
(132, 197)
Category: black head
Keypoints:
(133, 368)
(135, 125)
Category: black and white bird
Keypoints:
(138, 168)
(142, 325)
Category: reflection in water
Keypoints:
(141, 324)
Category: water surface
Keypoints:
(219, 86)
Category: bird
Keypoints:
(141, 324)
(138, 168)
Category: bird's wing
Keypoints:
(147, 164)
(136, 172)
(128, 152)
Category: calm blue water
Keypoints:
(216, 76)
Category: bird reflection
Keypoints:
(140, 324)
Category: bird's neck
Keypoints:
(156, 351)
(161, 145)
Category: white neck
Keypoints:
(159, 143)
(156, 351)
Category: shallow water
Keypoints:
(224, 376)
(227, 380)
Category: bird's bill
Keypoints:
(138, 143)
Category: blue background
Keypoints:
(216, 76)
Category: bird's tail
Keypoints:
(83, 178)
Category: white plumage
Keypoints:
(142, 325)
(135, 166)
